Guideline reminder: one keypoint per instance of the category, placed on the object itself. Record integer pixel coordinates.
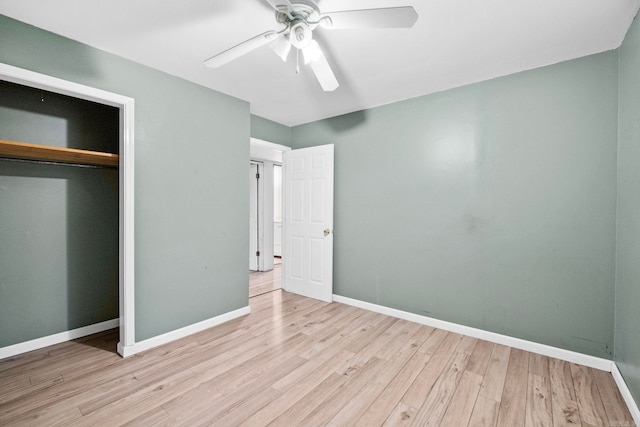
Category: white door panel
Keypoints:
(308, 269)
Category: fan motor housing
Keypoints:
(300, 20)
(303, 10)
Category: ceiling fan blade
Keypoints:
(240, 49)
(389, 17)
(324, 74)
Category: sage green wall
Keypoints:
(58, 224)
(627, 302)
(270, 131)
(191, 153)
(490, 205)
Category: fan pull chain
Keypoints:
(297, 61)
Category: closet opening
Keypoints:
(66, 212)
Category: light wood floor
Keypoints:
(261, 282)
(297, 361)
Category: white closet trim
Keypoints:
(126, 171)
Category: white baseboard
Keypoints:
(546, 350)
(23, 347)
(626, 394)
(159, 340)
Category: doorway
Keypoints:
(261, 279)
(307, 216)
(265, 218)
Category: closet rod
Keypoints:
(26, 151)
(48, 162)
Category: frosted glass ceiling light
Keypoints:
(312, 52)
(281, 47)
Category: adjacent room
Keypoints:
(439, 201)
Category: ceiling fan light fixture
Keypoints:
(300, 35)
(312, 52)
(281, 46)
(299, 18)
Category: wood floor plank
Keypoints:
(459, 411)
(614, 406)
(402, 415)
(14, 385)
(294, 360)
(50, 416)
(313, 368)
(195, 400)
(305, 406)
(538, 409)
(384, 404)
(243, 373)
(82, 363)
(264, 282)
(588, 397)
(341, 339)
(140, 401)
(467, 345)
(539, 365)
(239, 413)
(12, 365)
(564, 405)
(271, 301)
(437, 401)
(485, 412)
(327, 409)
(284, 318)
(221, 408)
(514, 395)
(434, 340)
(296, 385)
(153, 417)
(493, 382)
(342, 323)
(330, 318)
(371, 342)
(110, 392)
(421, 387)
(23, 389)
(53, 366)
(401, 335)
(480, 357)
(106, 414)
(355, 408)
(423, 333)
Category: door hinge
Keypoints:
(257, 176)
(258, 253)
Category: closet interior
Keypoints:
(59, 236)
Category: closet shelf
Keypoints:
(26, 151)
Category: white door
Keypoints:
(308, 230)
(253, 217)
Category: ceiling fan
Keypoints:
(300, 18)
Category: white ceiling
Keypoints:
(454, 42)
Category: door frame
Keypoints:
(261, 151)
(126, 173)
(259, 214)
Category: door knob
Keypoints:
(327, 231)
